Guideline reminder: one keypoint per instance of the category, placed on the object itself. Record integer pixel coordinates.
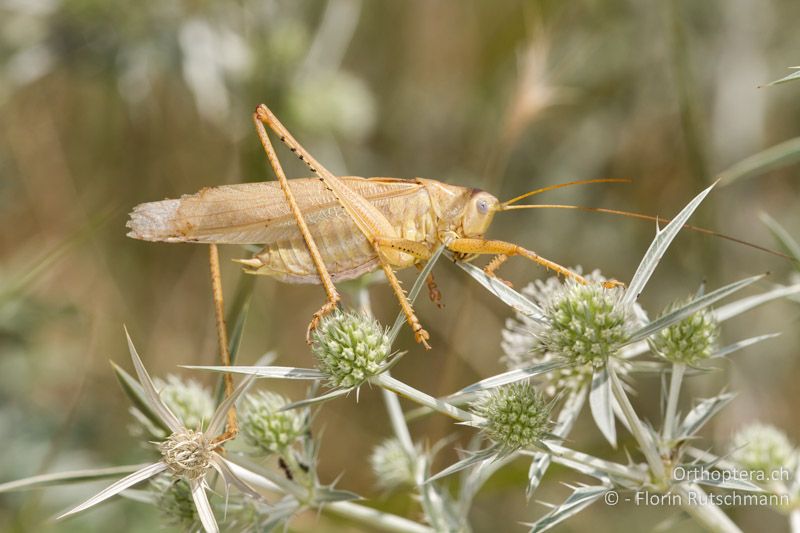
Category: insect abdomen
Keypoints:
(345, 251)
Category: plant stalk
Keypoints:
(703, 511)
(678, 370)
(375, 519)
(387, 382)
(560, 454)
(637, 428)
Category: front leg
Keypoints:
(494, 247)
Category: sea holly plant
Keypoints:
(594, 332)
(569, 347)
(193, 461)
(187, 454)
(587, 336)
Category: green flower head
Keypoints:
(174, 500)
(762, 447)
(517, 416)
(689, 341)
(587, 323)
(392, 465)
(265, 426)
(187, 399)
(350, 348)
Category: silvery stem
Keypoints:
(704, 512)
(396, 414)
(560, 453)
(375, 519)
(637, 428)
(398, 421)
(678, 370)
(388, 382)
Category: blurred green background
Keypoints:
(104, 105)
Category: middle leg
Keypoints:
(418, 251)
(434, 293)
(494, 264)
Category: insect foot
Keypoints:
(261, 112)
(433, 292)
(421, 335)
(326, 309)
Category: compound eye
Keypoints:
(483, 207)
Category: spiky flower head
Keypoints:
(688, 341)
(762, 447)
(265, 426)
(191, 402)
(586, 323)
(187, 454)
(517, 416)
(350, 348)
(392, 465)
(522, 337)
(174, 499)
(521, 344)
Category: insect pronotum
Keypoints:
(333, 228)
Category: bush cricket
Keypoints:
(330, 228)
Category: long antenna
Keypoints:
(641, 216)
(559, 186)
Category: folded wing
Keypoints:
(252, 213)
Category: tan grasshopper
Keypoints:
(331, 228)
